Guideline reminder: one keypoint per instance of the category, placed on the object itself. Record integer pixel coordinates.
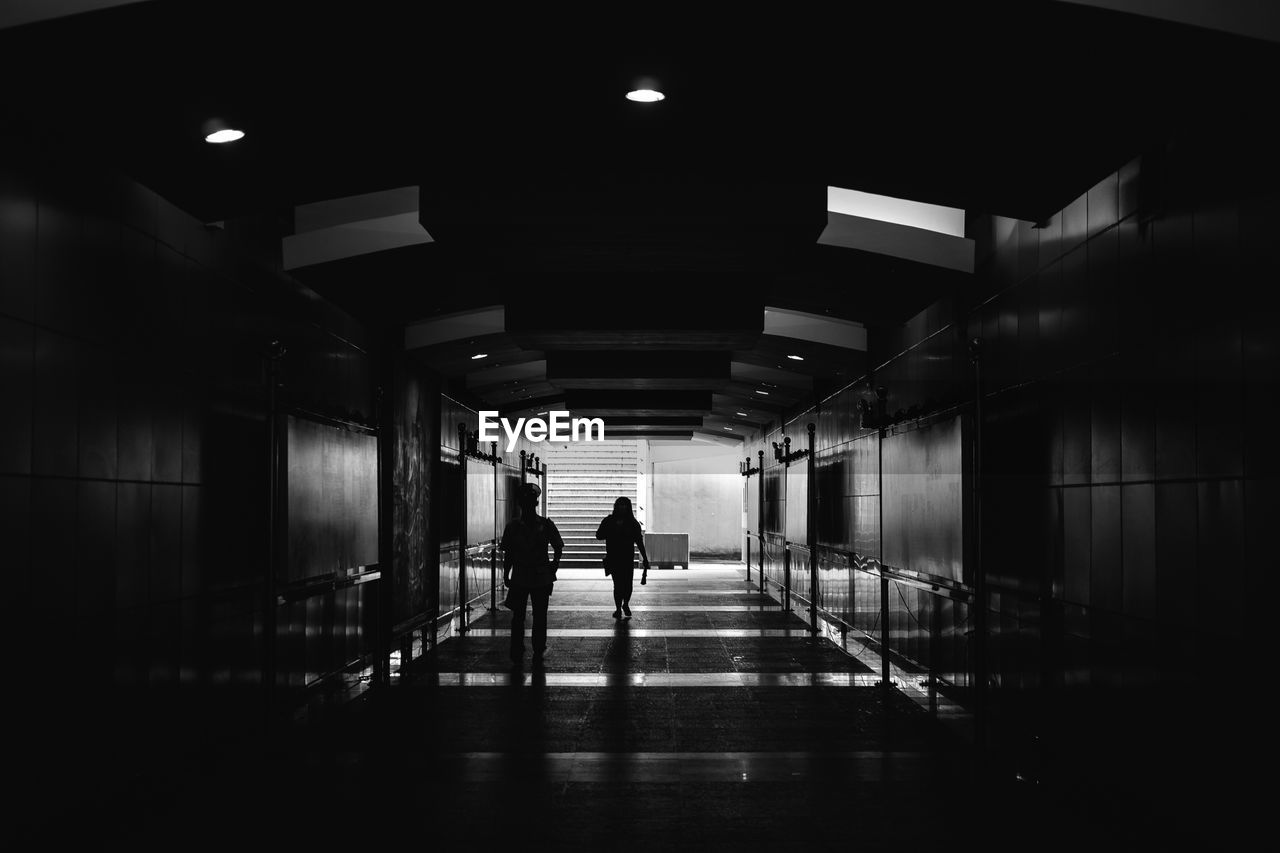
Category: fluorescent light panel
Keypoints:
(900, 211)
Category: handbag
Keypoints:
(605, 560)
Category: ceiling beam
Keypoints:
(589, 403)
(668, 370)
(15, 13)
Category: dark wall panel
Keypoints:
(17, 366)
(924, 500)
(18, 229)
(1130, 375)
(56, 406)
(417, 434)
(333, 508)
(133, 454)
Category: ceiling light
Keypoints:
(645, 96)
(479, 355)
(729, 428)
(742, 414)
(765, 393)
(225, 135)
(796, 357)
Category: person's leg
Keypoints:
(625, 590)
(617, 596)
(519, 598)
(541, 599)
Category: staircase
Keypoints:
(583, 481)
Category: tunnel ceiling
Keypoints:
(617, 235)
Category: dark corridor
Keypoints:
(934, 346)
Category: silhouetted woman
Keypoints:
(621, 534)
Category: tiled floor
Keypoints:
(688, 728)
(712, 719)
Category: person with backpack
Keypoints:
(527, 572)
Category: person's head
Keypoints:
(527, 498)
(622, 508)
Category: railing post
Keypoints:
(462, 528)
(786, 552)
(881, 412)
(277, 449)
(979, 574)
(493, 550)
(760, 516)
(745, 467)
(811, 495)
(383, 591)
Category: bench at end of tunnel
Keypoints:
(667, 550)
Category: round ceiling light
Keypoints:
(645, 96)
(227, 134)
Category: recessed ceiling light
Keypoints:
(645, 96)
(742, 414)
(479, 355)
(765, 393)
(227, 134)
(796, 357)
(729, 428)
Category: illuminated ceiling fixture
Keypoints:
(796, 357)
(479, 355)
(227, 134)
(645, 96)
(730, 429)
(765, 393)
(742, 414)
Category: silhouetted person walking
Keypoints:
(621, 534)
(527, 572)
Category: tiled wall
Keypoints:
(133, 474)
(1129, 367)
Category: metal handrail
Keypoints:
(314, 587)
(929, 583)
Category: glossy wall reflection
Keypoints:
(134, 361)
(1129, 366)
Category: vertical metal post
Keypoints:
(382, 591)
(811, 514)
(881, 416)
(524, 463)
(493, 549)
(276, 538)
(462, 529)
(980, 709)
(786, 551)
(760, 516)
(746, 491)
(545, 489)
